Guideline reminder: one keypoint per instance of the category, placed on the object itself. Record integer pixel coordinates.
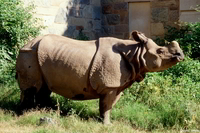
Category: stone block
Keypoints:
(57, 29)
(79, 13)
(48, 20)
(121, 6)
(90, 34)
(119, 35)
(164, 3)
(86, 2)
(113, 19)
(137, 0)
(104, 20)
(107, 9)
(89, 25)
(47, 11)
(174, 15)
(98, 33)
(88, 11)
(111, 1)
(124, 17)
(188, 4)
(56, 2)
(126, 35)
(75, 13)
(96, 13)
(79, 27)
(69, 4)
(174, 6)
(160, 14)
(61, 16)
(72, 12)
(108, 30)
(97, 24)
(95, 2)
(77, 21)
(75, 34)
(157, 29)
(190, 16)
(122, 28)
(69, 31)
(39, 3)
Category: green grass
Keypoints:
(167, 101)
(29, 123)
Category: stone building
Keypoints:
(115, 18)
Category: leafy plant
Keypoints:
(17, 26)
(82, 36)
(188, 35)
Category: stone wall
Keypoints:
(187, 11)
(102, 17)
(164, 13)
(68, 17)
(115, 21)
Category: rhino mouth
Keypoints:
(177, 58)
(180, 59)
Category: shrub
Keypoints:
(188, 35)
(17, 23)
(82, 36)
(17, 26)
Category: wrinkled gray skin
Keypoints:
(83, 70)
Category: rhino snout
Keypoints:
(179, 56)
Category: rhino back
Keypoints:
(65, 64)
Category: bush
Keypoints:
(82, 36)
(188, 35)
(17, 26)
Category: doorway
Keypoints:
(139, 17)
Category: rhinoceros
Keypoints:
(84, 70)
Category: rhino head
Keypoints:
(158, 58)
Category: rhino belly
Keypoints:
(68, 82)
(67, 74)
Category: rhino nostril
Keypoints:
(177, 54)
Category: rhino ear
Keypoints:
(138, 36)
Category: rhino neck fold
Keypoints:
(139, 63)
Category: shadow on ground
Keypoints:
(10, 102)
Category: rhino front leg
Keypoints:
(107, 101)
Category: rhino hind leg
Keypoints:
(27, 98)
(42, 97)
(30, 98)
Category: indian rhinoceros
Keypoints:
(83, 70)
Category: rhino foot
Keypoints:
(27, 98)
(42, 97)
(30, 98)
(107, 101)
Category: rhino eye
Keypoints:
(160, 51)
